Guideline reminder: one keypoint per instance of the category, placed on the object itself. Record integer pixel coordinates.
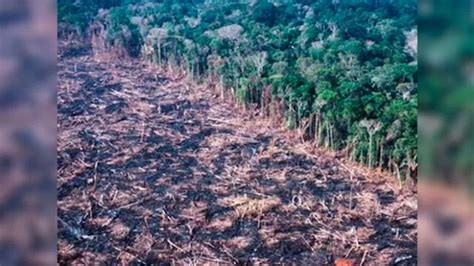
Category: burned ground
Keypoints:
(154, 170)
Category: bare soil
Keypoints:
(155, 170)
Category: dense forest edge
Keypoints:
(341, 73)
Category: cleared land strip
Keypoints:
(152, 170)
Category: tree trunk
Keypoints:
(381, 153)
(397, 170)
(159, 53)
(370, 150)
(326, 138)
(221, 85)
(320, 133)
(316, 129)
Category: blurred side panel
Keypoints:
(446, 130)
(27, 132)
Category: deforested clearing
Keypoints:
(152, 169)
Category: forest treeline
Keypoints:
(344, 73)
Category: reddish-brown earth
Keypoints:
(155, 170)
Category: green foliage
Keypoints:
(265, 12)
(79, 13)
